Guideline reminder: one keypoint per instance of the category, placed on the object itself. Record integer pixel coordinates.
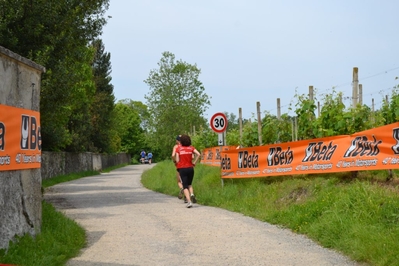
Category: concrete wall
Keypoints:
(63, 163)
(20, 190)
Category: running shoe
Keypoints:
(193, 199)
(189, 205)
(181, 194)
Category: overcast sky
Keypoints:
(257, 50)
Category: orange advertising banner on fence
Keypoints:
(374, 149)
(20, 138)
(212, 156)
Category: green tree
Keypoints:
(204, 138)
(141, 109)
(79, 124)
(56, 34)
(176, 101)
(127, 124)
(104, 101)
(232, 120)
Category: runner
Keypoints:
(179, 182)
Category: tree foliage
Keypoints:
(127, 124)
(176, 101)
(57, 35)
(103, 101)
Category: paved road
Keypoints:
(130, 225)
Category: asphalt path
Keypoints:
(127, 224)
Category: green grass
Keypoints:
(60, 238)
(358, 217)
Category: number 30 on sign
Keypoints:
(219, 122)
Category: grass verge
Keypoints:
(358, 217)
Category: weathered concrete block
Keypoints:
(20, 190)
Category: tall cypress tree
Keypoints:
(104, 100)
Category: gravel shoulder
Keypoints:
(128, 224)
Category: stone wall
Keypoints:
(63, 163)
(20, 190)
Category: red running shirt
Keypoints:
(185, 156)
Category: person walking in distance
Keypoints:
(179, 183)
(185, 165)
(149, 156)
(142, 156)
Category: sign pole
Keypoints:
(219, 125)
(222, 142)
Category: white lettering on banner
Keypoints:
(284, 169)
(391, 161)
(5, 160)
(248, 173)
(322, 166)
(359, 163)
(366, 163)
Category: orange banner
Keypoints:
(20, 138)
(374, 149)
(212, 156)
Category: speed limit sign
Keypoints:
(219, 122)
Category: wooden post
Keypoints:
(293, 130)
(372, 104)
(360, 94)
(355, 86)
(311, 93)
(259, 123)
(278, 117)
(278, 109)
(240, 122)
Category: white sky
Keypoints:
(257, 50)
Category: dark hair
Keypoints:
(185, 140)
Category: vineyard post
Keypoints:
(372, 105)
(278, 117)
(278, 109)
(360, 94)
(355, 82)
(240, 122)
(259, 123)
(311, 93)
(292, 131)
(390, 172)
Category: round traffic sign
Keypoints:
(219, 122)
